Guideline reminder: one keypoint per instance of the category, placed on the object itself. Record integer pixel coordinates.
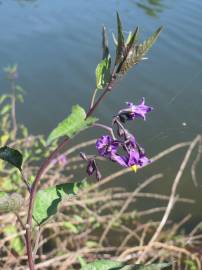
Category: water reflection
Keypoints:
(151, 7)
(26, 1)
(20, 1)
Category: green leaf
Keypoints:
(102, 265)
(120, 49)
(72, 125)
(6, 184)
(16, 242)
(20, 98)
(191, 264)
(47, 200)
(114, 39)
(102, 72)
(105, 43)
(5, 109)
(137, 52)
(19, 89)
(113, 265)
(12, 156)
(11, 68)
(2, 194)
(132, 38)
(81, 261)
(158, 266)
(3, 98)
(70, 227)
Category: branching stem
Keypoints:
(43, 167)
(107, 128)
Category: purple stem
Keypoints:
(43, 167)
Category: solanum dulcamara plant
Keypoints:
(109, 146)
(116, 143)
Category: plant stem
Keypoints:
(31, 200)
(13, 109)
(105, 127)
(25, 181)
(107, 89)
(93, 98)
(43, 167)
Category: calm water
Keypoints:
(57, 47)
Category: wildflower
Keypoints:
(107, 146)
(61, 160)
(134, 111)
(134, 159)
(133, 155)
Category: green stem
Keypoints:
(93, 98)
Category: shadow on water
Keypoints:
(26, 1)
(151, 7)
(21, 2)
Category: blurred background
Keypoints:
(57, 46)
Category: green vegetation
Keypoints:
(61, 222)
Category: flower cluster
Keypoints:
(124, 149)
(133, 156)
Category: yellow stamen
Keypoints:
(134, 168)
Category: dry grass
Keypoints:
(104, 222)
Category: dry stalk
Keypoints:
(172, 197)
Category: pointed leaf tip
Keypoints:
(12, 156)
(120, 49)
(105, 43)
(136, 53)
(132, 39)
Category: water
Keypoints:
(57, 47)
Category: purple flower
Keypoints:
(134, 111)
(107, 146)
(133, 158)
(132, 155)
(61, 160)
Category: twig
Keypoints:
(195, 162)
(126, 204)
(172, 197)
(176, 250)
(38, 235)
